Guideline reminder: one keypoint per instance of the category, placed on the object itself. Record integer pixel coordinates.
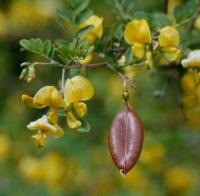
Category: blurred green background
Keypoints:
(80, 164)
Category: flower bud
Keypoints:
(31, 73)
(23, 74)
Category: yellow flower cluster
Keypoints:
(190, 83)
(52, 169)
(153, 156)
(76, 90)
(137, 33)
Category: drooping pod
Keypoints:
(125, 139)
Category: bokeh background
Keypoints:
(79, 163)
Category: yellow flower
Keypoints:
(169, 37)
(44, 128)
(54, 168)
(31, 169)
(97, 31)
(137, 33)
(190, 101)
(153, 156)
(47, 96)
(169, 40)
(77, 89)
(25, 15)
(197, 23)
(178, 179)
(5, 146)
(189, 82)
(193, 59)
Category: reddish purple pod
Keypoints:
(125, 139)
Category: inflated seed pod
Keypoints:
(125, 139)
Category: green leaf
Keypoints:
(190, 38)
(159, 20)
(74, 13)
(43, 48)
(85, 30)
(119, 32)
(82, 5)
(141, 15)
(128, 56)
(85, 127)
(83, 16)
(73, 51)
(186, 10)
(122, 9)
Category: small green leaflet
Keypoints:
(85, 127)
(38, 46)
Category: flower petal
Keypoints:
(138, 50)
(40, 138)
(48, 96)
(172, 54)
(72, 122)
(193, 59)
(169, 37)
(137, 31)
(27, 100)
(59, 131)
(78, 89)
(41, 124)
(53, 116)
(80, 109)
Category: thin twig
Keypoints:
(63, 81)
(94, 65)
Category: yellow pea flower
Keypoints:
(77, 89)
(137, 31)
(169, 40)
(189, 82)
(193, 59)
(44, 128)
(169, 37)
(97, 31)
(47, 96)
